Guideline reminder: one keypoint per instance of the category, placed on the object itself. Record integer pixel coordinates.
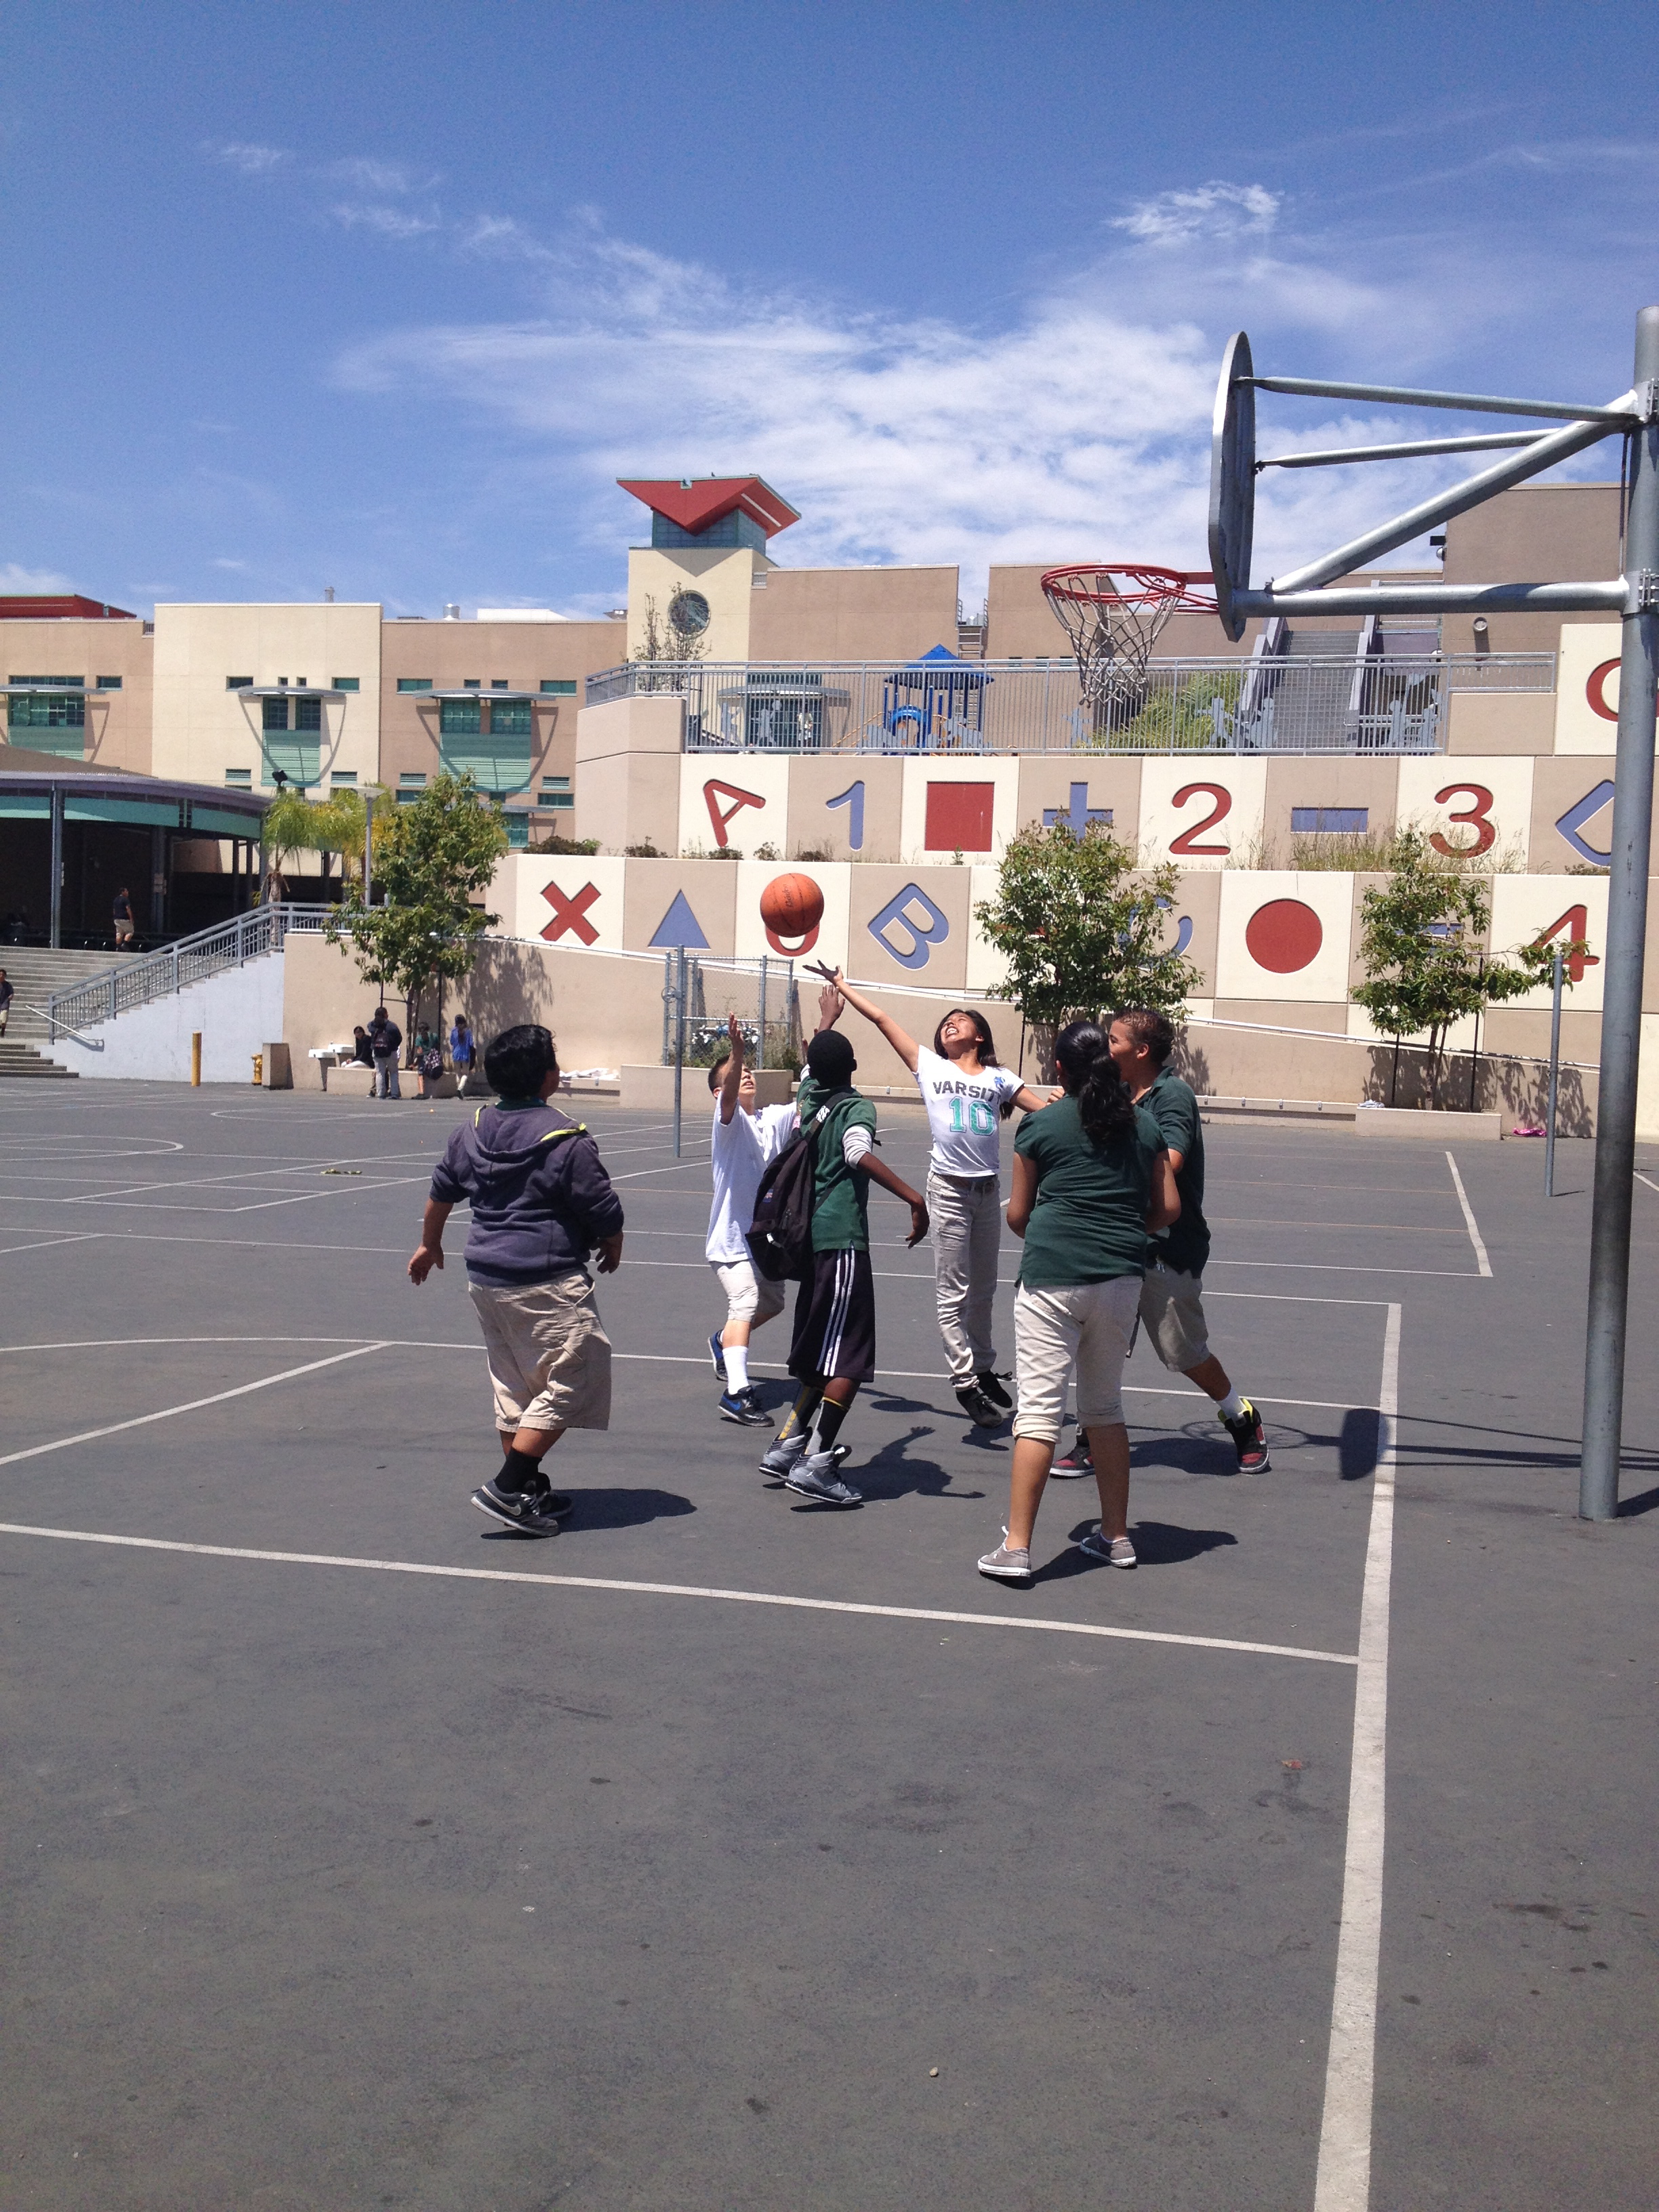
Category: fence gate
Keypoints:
(699, 996)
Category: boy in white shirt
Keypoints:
(744, 1143)
(966, 1092)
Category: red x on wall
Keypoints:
(570, 913)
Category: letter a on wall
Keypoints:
(713, 791)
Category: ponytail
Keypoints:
(1089, 1075)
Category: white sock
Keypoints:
(737, 1366)
(1232, 1406)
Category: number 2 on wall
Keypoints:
(1224, 806)
(1479, 817)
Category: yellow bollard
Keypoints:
(258, 1068)
(196, 1058)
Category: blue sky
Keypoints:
(386, 297)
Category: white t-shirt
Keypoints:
(739, 1150)
(962, 1112)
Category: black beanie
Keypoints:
(830, 1058)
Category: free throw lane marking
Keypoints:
(679, 1590)
(191, 1405)
(1481, 1261)
(1344, 2180)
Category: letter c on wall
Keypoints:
(1595, 691)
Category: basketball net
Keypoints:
(1112, 614)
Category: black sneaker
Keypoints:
(1250, 1438)
(717, 1354)
(535, 1512)
(744, 1407)
(782, 1453)
(991, 1383)
(1077, 1463)
(979, 1408)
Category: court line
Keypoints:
(1640, 1177)
(45, 1243)
(192, 1406)
(1344, 2179)
(1342, 1267)
(1481, 1261)
(687, 1589)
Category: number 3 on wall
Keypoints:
(1479, 817)
(1224, 806)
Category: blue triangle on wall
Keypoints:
(679, 927)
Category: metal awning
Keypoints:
(290, 691)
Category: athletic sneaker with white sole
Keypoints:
(1007, 1565)
(1116, 1551)
(816, 1476)
(717, 1354)
(1077, 1463)
(1250, 1438)
(535, 1512)
(780, 1456)
(744, 1407)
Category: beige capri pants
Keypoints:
(1090, 1324)
(549, 1358)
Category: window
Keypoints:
(109, 683)
(274, 716)
(409, 786)
(556, 793)
(344, 779)
(498, 684)
(308, 714)
(414, 683)
(510, 718)
(63, 708)
(345, 683)
(472, 683)
(559, 687)
(238, 779)
(238, 682)
(459, 718)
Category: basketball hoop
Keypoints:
(1112, 612)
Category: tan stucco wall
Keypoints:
(853, 614)
(118, 733)
(1535, 534)
(725, 576)
(201, 729)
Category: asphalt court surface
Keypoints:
(337, 1883)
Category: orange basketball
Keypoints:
(792, 905)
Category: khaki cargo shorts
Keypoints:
(1172, 1309)
(549, 1358)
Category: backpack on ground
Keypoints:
(781, 1238)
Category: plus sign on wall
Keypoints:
(1077, 814)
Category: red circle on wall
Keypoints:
(1284, 936)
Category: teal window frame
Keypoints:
(109, 683)
(511, 718)
(413, 684)
(559, 687)
(238, 779)
(273, 714)
(346, 684)
(460, 718)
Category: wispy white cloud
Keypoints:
(19, 582)
(386, 222)
(1213, 211)
(247, 159)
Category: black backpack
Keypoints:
(780, 1237)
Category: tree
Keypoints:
(429, 858)
(1421, 944)
(681, 634)
(294, 823)
(1082, 929)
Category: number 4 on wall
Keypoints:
(1575, 924)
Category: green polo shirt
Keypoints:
(1173, 1105)
(840, 1205)
(1089, 1220)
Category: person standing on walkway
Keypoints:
(121, 916)
(463, 1052)
(385, 1039)
(7, 994)
(966, 1090)
(1091, 1177)
(541, 1205)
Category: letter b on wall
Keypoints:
(916, 921)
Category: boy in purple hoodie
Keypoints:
(541, 1203)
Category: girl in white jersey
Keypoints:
(966, 1092)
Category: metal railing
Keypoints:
(176, 967)
(1253, 704)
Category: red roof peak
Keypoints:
(693, 505)
(70, 607)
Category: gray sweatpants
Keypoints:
(966, 1228)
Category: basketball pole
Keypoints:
(1621, 988)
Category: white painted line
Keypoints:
(193, 1405)
(1341, 1268)
(1640, 1177)
(47, 1243)
(1344, 2180)
(688, 1590)
(1481, 1261)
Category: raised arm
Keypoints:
(903, 1044)
(1032, 1101)
(733, 1079)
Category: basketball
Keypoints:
(792, 905)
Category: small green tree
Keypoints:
(1082, 929)
(1420, 942)
(430, 857)
(294, 824)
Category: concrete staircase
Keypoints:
(34, 972)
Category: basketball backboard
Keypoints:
(1233, 481)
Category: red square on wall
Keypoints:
(960, 817)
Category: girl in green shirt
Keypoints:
(1091, 1175)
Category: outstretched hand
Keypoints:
(831, 1005)
(918, 1225)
